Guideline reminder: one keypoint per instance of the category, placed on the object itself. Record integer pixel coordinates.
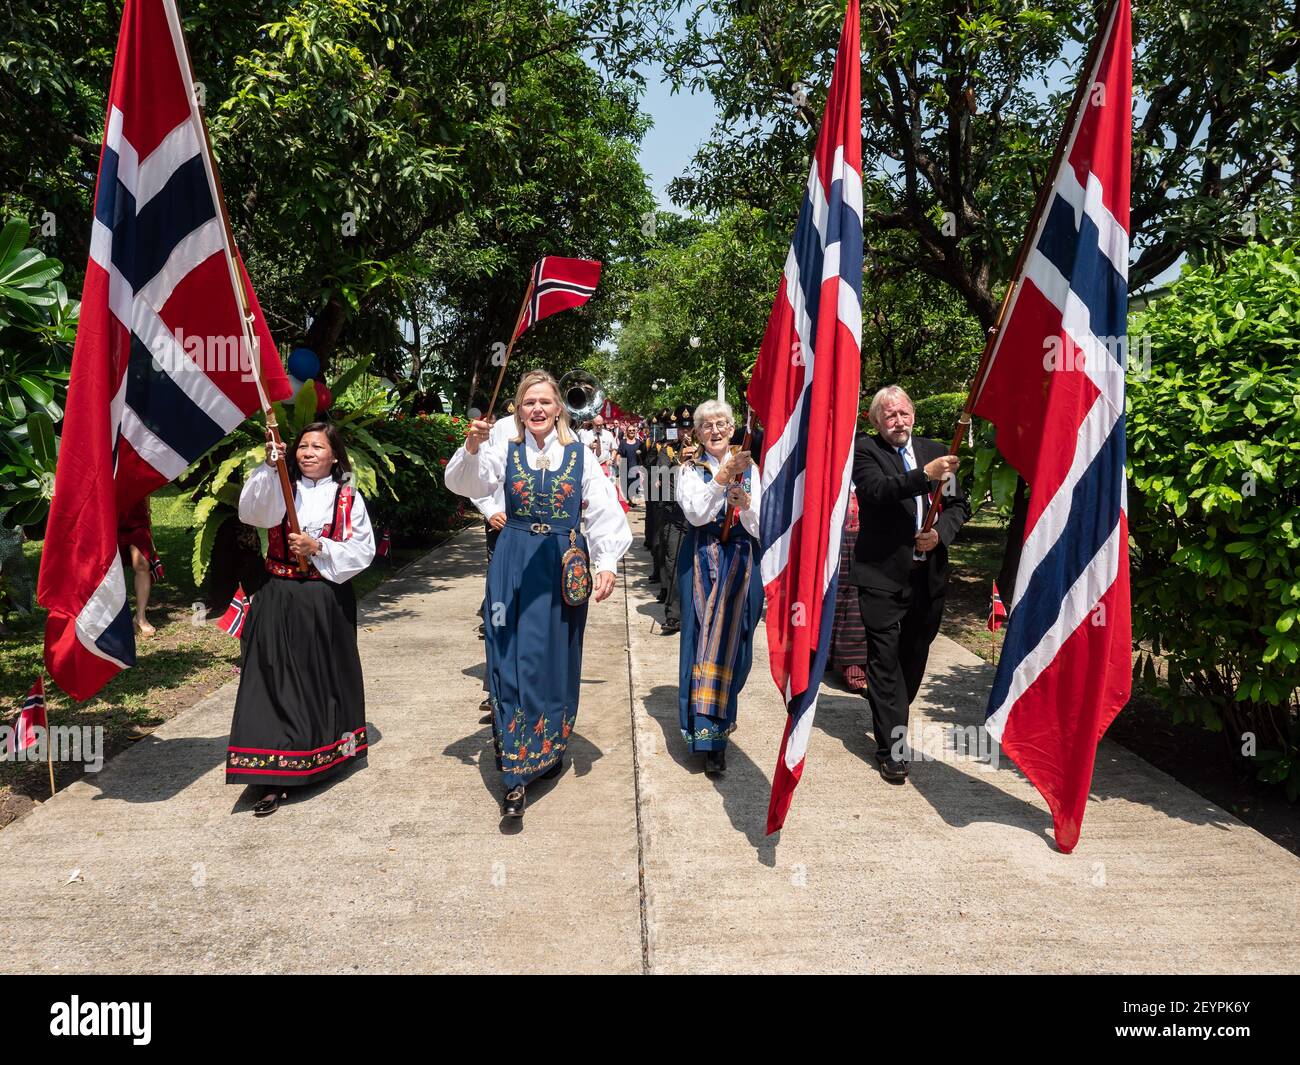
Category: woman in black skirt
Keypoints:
(300, 714)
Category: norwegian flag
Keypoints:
(159, 371)
(232, 621)
(804, 391)
(31, 717)
(558, 284)
(156, 569)
(385, 543)
(997, 612)
(1054, 387)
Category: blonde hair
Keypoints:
(540, 377)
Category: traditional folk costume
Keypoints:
(848, 634)
(300, 714)
(722, 599)
(556, 497)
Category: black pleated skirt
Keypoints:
(300, 714)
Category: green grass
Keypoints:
(975, 557)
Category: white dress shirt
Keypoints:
(705, 501)
(606, 446)
(261, 503)
(603, 522)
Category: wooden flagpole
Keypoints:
(49, 745)
(1027, 242)
(519, 320)
(236, 280)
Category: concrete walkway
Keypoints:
(633, 861)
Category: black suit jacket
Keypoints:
(882, 556)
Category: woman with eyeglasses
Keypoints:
(719, 584)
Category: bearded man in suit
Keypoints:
(900, 571)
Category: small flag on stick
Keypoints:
(385, 543)
(232, 621)
(997, 612)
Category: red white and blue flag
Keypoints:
(997, 611)
(30, 718)
(558, 284)
(232, 621)
(804, 392)
(1054, 387)
(160, 372)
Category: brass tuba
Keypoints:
(584, 395)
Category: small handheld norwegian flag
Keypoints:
(31, 717)
(558, 284)
(997, 612)
(232, 621)
(385, 543)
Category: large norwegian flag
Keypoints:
(558, 284)
(1054, 387)
(159, 371)
(804, 392)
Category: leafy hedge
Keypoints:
(1214, 512)
(418, 506)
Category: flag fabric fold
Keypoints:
(558, 284)
(160, 369)
(804, 392)
(1054, 388)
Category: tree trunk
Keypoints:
(326, 328)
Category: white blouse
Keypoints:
(261, 503)
(603, 522)
(705, 501)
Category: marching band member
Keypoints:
(719, 584)
(300, 714)
(558, 504)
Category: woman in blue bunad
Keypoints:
(300, 715)
(719, 584)
(559, 506)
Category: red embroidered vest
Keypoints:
(280, 561)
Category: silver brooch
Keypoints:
(543, 462)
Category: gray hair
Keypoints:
(884, 396)
(711, 408)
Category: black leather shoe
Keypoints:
(892, 771)
(267, 806)
(514, 803)
(715, 763)
(662, 596)
(554, 771)
(672, 628)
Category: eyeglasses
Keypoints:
(720, 427)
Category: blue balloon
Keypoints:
(303, 364)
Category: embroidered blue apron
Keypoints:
(534, 638)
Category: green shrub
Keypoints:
(936, 416)
(1214, 511)
(419, 506)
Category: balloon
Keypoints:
(323, 397)
(303, 364)
(295, 386)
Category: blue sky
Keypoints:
(681, 124)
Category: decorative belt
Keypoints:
(537, 528)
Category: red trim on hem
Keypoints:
(293, 754)
(297, 772)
